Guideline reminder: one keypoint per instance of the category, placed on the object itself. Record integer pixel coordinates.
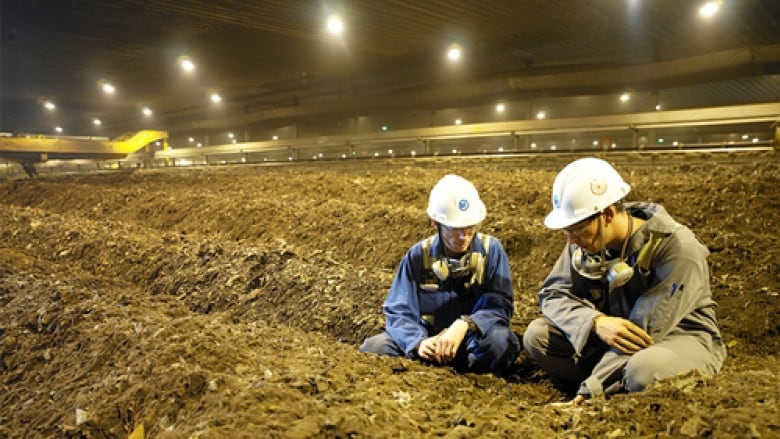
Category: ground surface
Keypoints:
(230, 301)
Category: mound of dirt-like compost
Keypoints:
(229, 302)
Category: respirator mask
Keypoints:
(457, 268)
(616, 271)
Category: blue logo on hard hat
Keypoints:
(556, 201)
(463, 205)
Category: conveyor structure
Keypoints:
(28, 150)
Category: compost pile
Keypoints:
(230, 301)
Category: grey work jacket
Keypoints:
(673, 296)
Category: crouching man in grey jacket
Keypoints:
(628, 302)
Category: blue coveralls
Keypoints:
(419, 305)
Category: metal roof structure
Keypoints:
(279, 72)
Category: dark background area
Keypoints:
(279, 72)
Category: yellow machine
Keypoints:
(28, 150)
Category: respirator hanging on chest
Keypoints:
(617, 272)
(454, 268)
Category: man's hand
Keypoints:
(442, 347)
(449, 340)
(427, 348)
(621, 334)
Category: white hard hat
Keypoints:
(584, 187)
(454, 202)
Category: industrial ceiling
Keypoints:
(274, 65)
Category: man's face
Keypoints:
(457, 240)
(585, 234)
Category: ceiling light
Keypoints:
(215, 98)
(458, 121)
(625, 97)
(186, 64)
(97, 122)
(541, 115)
(500, 107)
(190, 140)
(275, 137)
(658, 107)
(709, 9)
(454, 52)
(107, 87)
(231, 135)
(58, 129)
(335, 25)
(146, 111)
(49, 105)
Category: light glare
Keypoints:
(454, 52)
(335, 25)
(709, 9)
(186, 64)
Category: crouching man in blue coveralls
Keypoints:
(628, 302)
(451, 300)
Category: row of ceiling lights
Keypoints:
(454, 151)
(500, 108)
(185, 63)
(335, 26)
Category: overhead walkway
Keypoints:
(744, 127)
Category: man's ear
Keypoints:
(609, 213)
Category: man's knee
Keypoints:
(535, 338)
(497, 351)
(369, 346)
(381, 344)
(646, 367)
